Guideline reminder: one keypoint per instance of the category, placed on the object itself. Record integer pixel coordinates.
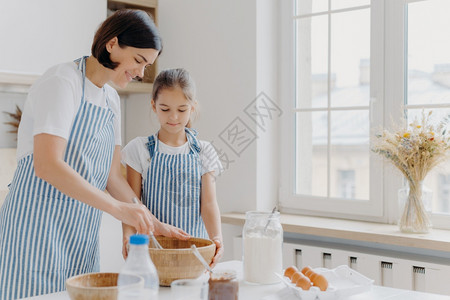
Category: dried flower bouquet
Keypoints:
(415, 151)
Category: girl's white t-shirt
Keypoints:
(53, 101)
(136, 155)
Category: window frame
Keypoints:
(387, 94)
(364, 210)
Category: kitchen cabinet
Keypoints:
(151, 7)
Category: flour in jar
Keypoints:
(262, 258)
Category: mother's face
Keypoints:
(132, 61)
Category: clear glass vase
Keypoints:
(415, 205)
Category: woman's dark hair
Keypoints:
(132, 27)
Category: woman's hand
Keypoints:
(162, 229)
(127, 231)
(143, 221)
(136, 215)
(219, 252)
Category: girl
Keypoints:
(68, 154)
(172, 171)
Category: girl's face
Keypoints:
(132, 62)
(173, 109)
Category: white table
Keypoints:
(278, 291)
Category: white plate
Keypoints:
(342, 282)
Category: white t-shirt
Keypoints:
(53, 102)
(136, 155)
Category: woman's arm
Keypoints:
(211, 214)
(134, 182)
(118, 187)
(50, 166)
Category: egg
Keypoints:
(310, 273)
(290, 271)
(303, 282)
(295, 277)
(320, 281)
(306, 269)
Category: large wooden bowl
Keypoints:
(97, 286)
(176, 260)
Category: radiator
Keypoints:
(387, 268)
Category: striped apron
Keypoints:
(172, 188)
(46, 236)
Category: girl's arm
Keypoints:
(211, 214)
(50, 166)
(134, 179)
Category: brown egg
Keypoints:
(303, 282)
(290, 271)
(321, 282)
(310, 273)
(295, 277)
(306, 269)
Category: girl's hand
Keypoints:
(219, 252)
(170, 231)
(127, 232)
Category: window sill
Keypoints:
(437, 239)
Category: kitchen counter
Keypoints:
(279, 292)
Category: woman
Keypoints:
(68, 154)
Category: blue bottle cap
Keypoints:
(139, 239)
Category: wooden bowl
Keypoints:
(97, 286)
(176, 260)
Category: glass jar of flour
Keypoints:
(262, 246)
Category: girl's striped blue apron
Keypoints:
(172, 188)
(46, 236)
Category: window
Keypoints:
(346, 184)
(348, 69)
(428, 78)
(444, 193)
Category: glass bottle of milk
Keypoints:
(262, 247)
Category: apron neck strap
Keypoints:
(194, 145)
(81, 65)
(151, 145)
(81, 62)
(191, 135)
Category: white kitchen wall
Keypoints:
(38, 34)
(137, 117)
(267, 82)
